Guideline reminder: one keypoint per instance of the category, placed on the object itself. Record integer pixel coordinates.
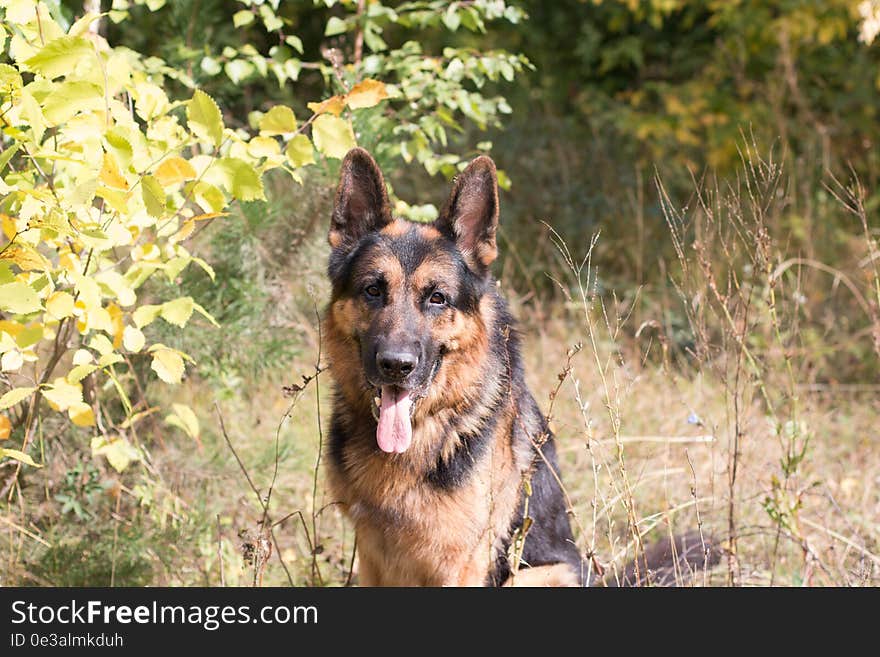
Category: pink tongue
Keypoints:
(394, 432)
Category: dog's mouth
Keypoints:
(393, 408)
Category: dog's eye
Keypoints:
(437, 299)
(373, 291)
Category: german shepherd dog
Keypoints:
(434, 430)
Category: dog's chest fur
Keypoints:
(413, 531)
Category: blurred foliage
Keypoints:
(681, 80)
(428, 55)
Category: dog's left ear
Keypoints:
(470, 215)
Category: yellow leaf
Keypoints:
(70, 263)
(99, 319)
(137, 417)
(5, 427)
(110, 358)
(61, 395)
(101, 344)
(333, 105)
(26, 257)
(279, 120)
(178, 311)
(12, 328)
(60, 305)
(174, 170)
(80, 372)
(209, 215)
(299, 151)
(204, 119)
(333, 136)
(263, 147)
(184, 232)
(366, 93)
(168, 365)
(116, 324)
(184, 418)
(18, 456)
(153, 195)
(145, 314)
(12, 361)
(110, 174)
(15, 396)
(115, 199)
(18, 298)
(118, 286)
(133, 339)
(9, 228)
(148, 251)
(82, 357)
(81, 414)
(89, 292)
(119, 452)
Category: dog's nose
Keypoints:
(396, 365)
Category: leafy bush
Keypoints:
(108, 175)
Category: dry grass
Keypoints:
(676, 474)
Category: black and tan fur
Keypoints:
(444, 511)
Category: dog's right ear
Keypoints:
(361, 200)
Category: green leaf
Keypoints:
(204, 313)
(299, 151)
(451, 19)
(208, 269)
(18, 456)
(18, 298)
(204, 119)
(279, 120)
(243, 17)
(270, 20)
(14, 396)
(294, 42)
(333, 136)
(240, 179)
(60, 56)
(238, 70)
(373, 40)
(335, 26)
(126, 402)
(154, 196)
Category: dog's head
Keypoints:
(406, 296)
